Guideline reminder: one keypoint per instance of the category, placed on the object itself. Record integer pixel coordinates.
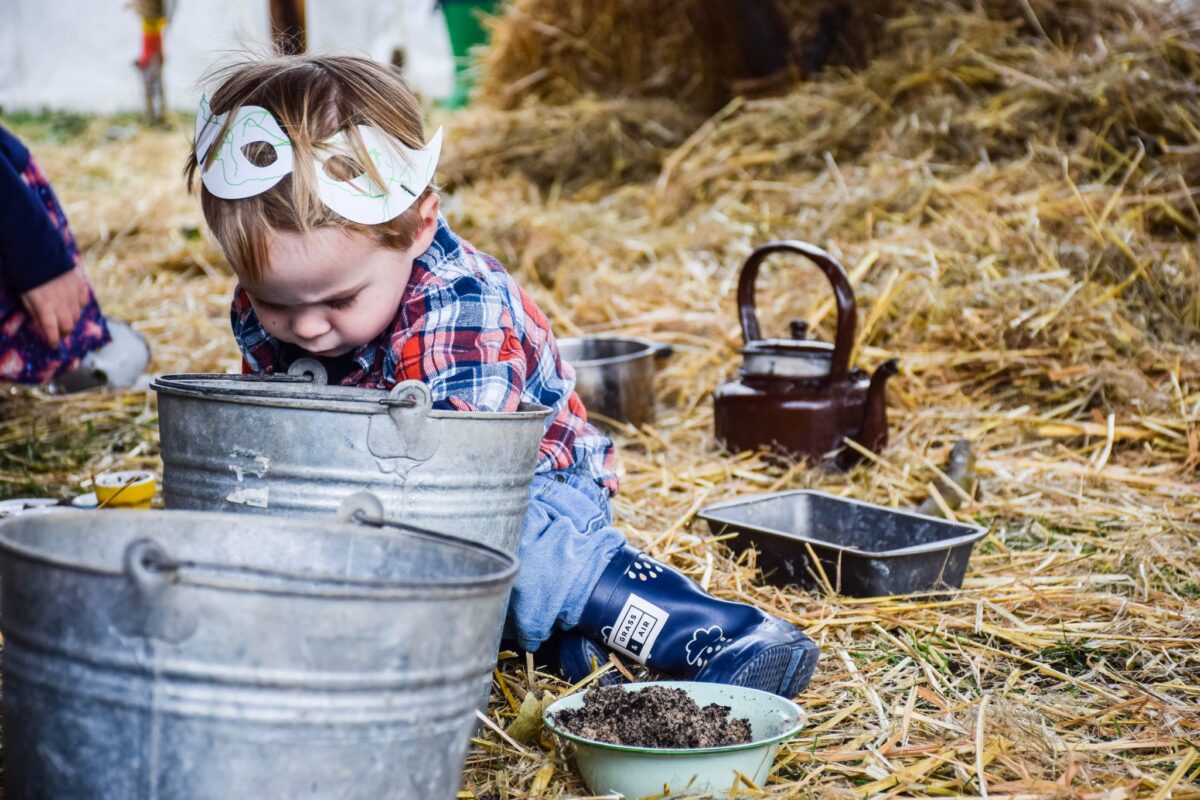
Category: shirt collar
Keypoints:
(445, 245)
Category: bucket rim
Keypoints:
(649, 349)
(354, 400)
(279, 582)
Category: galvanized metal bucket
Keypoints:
(173, 655)
(292, 444)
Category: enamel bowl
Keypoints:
(636, 772)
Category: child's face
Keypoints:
(331, 290)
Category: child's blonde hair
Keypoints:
(312, 98)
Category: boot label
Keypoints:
(637, 627)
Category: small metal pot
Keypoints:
(614, 375)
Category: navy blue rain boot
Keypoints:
(575, 656)
(658, 616)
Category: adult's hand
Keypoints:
(55, 306)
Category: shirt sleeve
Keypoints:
(461, 340)
(32, 251)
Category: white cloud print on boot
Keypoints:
(705, 643)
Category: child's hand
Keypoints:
(56, 305)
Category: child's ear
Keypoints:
(428, 209)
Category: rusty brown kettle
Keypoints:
(797, 396)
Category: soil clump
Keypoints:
(656, 716)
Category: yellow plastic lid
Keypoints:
(126, 488)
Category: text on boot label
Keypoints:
(636, 628)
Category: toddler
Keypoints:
(316, 180)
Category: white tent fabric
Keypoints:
(77, 55)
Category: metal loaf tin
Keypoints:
(864, 550)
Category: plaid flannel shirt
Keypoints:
(467, 330)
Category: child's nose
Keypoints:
(310, 325)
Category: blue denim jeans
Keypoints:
(567, 542)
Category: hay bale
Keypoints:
(968, 90)
(608, 141)
(972, 88)
(556, 52)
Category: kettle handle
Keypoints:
(847, 313)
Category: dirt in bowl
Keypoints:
(656, 716)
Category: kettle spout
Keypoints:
(874, 433)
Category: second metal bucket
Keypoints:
(183, 656)
(291, 444)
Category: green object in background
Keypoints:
(464, 23)
(644, 771)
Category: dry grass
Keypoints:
(1016, 204)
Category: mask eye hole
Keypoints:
(343, 168)
(260, 154)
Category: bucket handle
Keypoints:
(302, 367)
(405, 431)
(147, 606)
(365, 508)
(149, 609)
(847, 313)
